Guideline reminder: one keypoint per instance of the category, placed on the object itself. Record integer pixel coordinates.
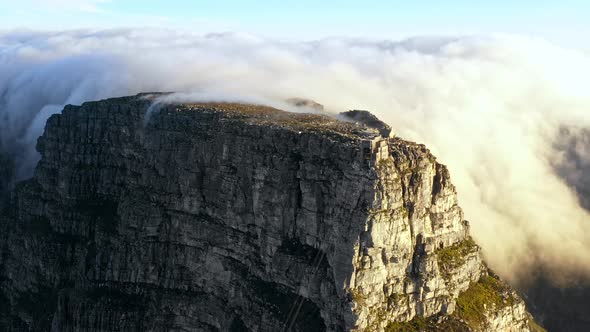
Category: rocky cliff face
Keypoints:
(227, 217)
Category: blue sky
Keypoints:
(561, 21)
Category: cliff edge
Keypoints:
(231, 217)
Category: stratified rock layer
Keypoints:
(228, 217)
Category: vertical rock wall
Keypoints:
(232, 218)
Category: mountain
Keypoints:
(233, 217)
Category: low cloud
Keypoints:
(492, 108)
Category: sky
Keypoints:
(559, 21)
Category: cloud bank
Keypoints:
(492, 108)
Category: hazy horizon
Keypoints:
(560, 22)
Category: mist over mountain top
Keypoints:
(492, 108)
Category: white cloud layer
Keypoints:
(491, 108)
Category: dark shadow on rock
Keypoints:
(158, 228)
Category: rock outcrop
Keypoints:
(229, 217)
(367, 119)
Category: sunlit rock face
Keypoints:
(232, 217)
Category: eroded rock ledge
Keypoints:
(229, 217)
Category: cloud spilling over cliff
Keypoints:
(492, 108)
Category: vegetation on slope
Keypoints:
(534, 326)
(450, 258)
(486, 295)
(421, 324)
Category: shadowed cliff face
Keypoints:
(230, 217)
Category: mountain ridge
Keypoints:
(238, 217)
